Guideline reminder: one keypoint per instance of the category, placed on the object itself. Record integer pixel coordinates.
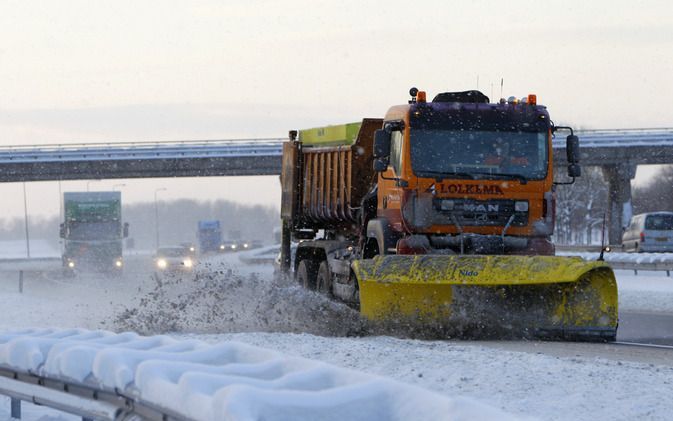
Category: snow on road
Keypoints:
(227, 301)
(645, 292)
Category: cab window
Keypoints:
(396, 151)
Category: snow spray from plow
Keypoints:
(219, 299)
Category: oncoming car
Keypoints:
(229, 246)
(174, 259)
(649, 232)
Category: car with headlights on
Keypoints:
(174, 259)
(229, 246)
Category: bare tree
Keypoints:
(580, 208)
(657, 194)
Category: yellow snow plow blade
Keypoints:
(531, 296)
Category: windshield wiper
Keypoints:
(509, 176)
(441, 175)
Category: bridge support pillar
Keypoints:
(619, 198)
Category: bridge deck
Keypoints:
(262, 156)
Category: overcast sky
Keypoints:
(86, 71)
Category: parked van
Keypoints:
(649, 232)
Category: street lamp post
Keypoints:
(156, 214)
(25, 219)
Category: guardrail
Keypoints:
(660, 262)
(635, 267)
(85, 401)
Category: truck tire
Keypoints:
(324, 279)
(307, 272)
(380, 238)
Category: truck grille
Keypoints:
(469, 212)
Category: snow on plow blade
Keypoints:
(492, 296)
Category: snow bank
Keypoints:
(228, 380)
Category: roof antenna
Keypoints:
(604, 248)
(502, 82)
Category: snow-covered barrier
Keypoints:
(225, 381)
(619, 257)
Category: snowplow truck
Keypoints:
(440, 217)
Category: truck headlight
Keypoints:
(246, 245)
(161, 264)
(118, 263)
(521, 206)
(221, 246)
(71, 264)
(233, 246)
(188, 263)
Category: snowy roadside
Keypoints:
(522, 383)
(647, 292)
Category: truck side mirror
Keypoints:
(381, 164)
(574, 170)
(573, 149)
(61, 230)
(573, 154)
(381, 150)
(381, 144)
(126, 229)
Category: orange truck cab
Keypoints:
(463, 175)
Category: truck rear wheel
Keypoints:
(307, 272)
(324, 279)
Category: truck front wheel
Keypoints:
(307, 272)
(324, 279)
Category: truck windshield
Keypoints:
(94, 231)
(479, 154)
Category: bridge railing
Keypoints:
(620, 137)
(141, 150)
(274, 141)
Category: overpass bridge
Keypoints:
(617, 152)
(194, 158)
